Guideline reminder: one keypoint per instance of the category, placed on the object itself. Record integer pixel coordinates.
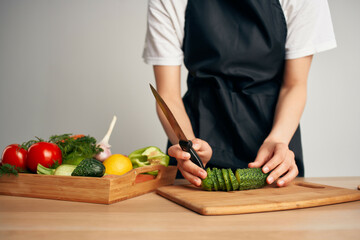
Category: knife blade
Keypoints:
(185, 144)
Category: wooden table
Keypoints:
(152, 217)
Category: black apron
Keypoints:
(235, 53)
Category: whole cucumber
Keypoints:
(89, 168)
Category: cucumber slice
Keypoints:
(233, 180)
(207, 183)
(214, 180)
(226, 179)
(220, 178)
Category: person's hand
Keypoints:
(189, 170)
(278, 159)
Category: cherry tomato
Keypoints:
(45, 153)
(14, 155)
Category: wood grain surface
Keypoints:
(298, 194)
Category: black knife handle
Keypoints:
(187, 147)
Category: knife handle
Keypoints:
(187, 147)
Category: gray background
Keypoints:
(69, 66)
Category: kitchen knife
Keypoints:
(185, 144)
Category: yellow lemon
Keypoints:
(117, 164)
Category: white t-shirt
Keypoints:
(309, 30)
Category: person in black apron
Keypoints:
(241, 100)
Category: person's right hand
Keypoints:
(188, 169)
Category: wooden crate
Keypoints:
(106, 190)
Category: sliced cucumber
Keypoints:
(220, 179)
(233, 180)
(226, 179)
(214, 180)
(207, 183)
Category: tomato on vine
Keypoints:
(15, 155)
(46, 153)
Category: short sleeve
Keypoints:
(164, 33)
(310, 28)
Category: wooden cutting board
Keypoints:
(298, 194)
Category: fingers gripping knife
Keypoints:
(185, 144)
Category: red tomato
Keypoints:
(14, 155)
(45, 153)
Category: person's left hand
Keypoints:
(278, 159)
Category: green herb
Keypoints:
(55, 165)
(75, 149)
(8, 169)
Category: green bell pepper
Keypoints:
(149, 156)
